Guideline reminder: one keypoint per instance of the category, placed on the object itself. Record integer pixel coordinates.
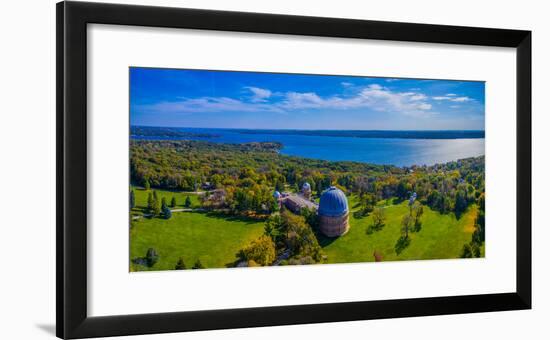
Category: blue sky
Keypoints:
(221, 99)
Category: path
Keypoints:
(137, 217)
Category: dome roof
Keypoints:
(333, 202)
(306, 186)
(277, 194)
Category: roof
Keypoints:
(299, 202)
(333, 203)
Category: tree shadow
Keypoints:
(401, 244)
(360, 214)
(374, 228)
(142, 261)
(231, 218)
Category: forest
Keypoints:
(248, 173)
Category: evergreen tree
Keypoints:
(173, 202)
(150, 202)
(187, 202)
(180, 265)
(151, 257)
(147, 185)
(132, 199)
(198, 264)
(166, 213)
(163, 203)
(156, 205)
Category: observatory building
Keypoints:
(306, 190)
(333, 212)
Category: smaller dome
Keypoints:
(277, 194)
(306, 186)
(333, 202)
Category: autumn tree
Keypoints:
(378, 218)
(417, 210)
(261, 251)
(406, 224)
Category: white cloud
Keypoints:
(452, 97)
(346, 84)
(414, 95)
(207, 104)
(374, 97)
(258, 95)
(461, 99)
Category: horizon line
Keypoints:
(295, 129)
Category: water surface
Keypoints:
(379, 150)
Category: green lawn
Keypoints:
(441, 237)
(214, 239)
(141, 198)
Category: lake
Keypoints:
(434, 146)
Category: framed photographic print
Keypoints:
(225, 169)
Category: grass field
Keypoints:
(141, 198)
(214, 239)
(441, 237)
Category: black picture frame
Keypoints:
(72, 319)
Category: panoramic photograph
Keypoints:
(232, 169)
